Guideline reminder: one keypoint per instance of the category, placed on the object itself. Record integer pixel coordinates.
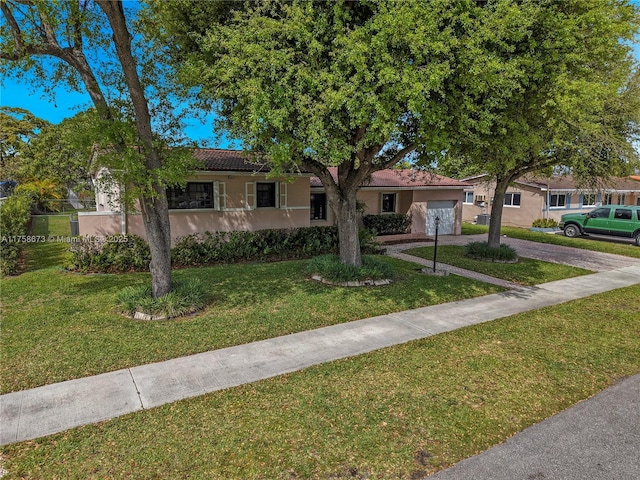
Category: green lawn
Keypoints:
(53, 252)
(628, 250)
(59, 325)
(401, 412)
(526, 272)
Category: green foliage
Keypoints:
(15, 213)
(390, 224)
(43, 194)
(185, 297)
(122, 253)
(63, 151)
(237, 246)
(482, 251)
(545, 223)
(330, 268)
(17, 129)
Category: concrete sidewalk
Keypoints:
(53, 408)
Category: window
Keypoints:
(589, 200)
(600, 213)
(468, 197)
(638, 202)
(193, 195)
(318, 206)
(608, 199)
(512, 199)
(622, 214)
(558, 200)
(388, 203)
(265, 195)
(622, 199)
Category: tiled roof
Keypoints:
(408, 179)
(219, 160)
(215, 159)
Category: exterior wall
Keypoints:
(233, 209)
(231, 212)
(99, 223)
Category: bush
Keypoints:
(186, 297)
(15, 213)
(330, 268)
(545, 223)
(390, 224)
(276, 244)
(482, 251)
(122, 253)
(131, 253)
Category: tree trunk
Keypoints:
(496, 211)
(345, 209)
(154, 210)
(155, 213)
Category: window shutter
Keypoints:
(250, 195)
(283, 195)
(219, 195)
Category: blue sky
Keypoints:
(15, 93)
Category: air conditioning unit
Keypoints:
(481, 198)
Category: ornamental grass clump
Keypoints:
(185, 298)
(330, 268)
(482, 251)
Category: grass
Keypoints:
(53, 252)
(585, 243)
(402, 412)
(59, 325)
(526, 272)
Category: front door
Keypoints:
(445, 210)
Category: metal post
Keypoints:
(435, 247)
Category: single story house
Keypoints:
(231, 193)
(532, 198)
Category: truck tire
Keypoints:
(572, 231)
(637, 238)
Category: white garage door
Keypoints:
(446, 212)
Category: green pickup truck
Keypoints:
(614, 220)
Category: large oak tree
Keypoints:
(577, 108)
(357, 86)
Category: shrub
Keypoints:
(390, 224)
(122, 253)
(545, 223)
(482, 251)
(275, 244)
(186, 297)
(15, 213)
(330, 268)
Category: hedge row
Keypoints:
(15, 213)
(131, 253)
(388, 224)
(276, 244)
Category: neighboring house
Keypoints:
(528, 199)
(230, 193)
